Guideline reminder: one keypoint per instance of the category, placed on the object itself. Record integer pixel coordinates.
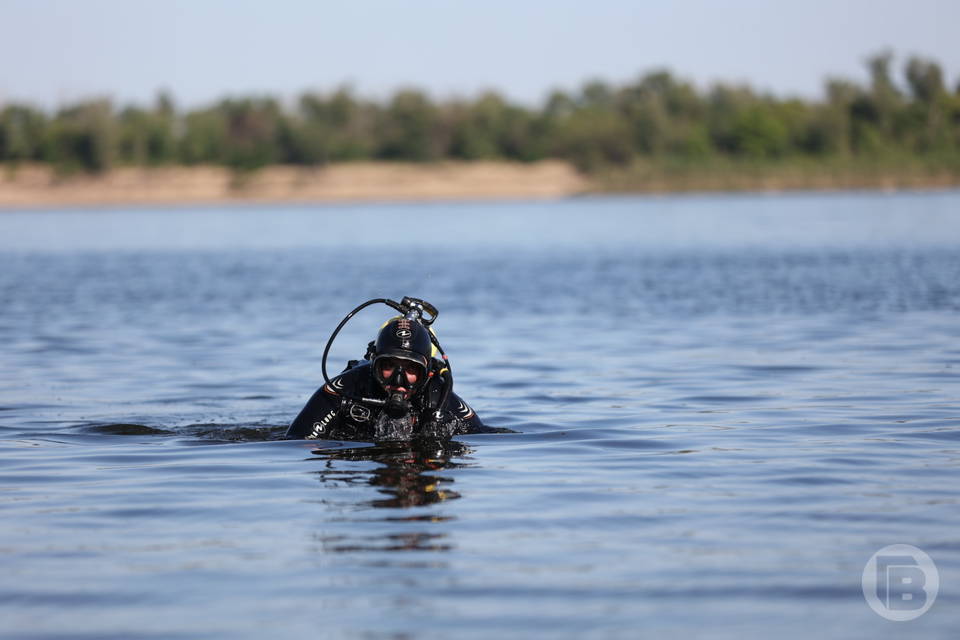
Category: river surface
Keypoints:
(722, 406)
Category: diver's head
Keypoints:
(402, 361)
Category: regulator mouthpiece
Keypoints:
(397, 405)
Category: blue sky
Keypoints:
(58, 51)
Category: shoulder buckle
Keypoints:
(358, 412)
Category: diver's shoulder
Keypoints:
(357, 368)
(356, 373)
(459, 407)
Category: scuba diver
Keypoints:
(399, 391)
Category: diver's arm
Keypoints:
(318, 417)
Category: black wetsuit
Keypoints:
(330, 415)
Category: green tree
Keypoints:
(925, 79)
(561, 105)
(82, 137)
(22, 132)
(204, 139)
(146, 137)
(758, 133)
(593, 138)
(880, 106)
(725, 106)
(251, 128)
(331, 128)
(650, 123)
(491, 128)
(597, 95)
(927, 118)
(408, 129)
(472, 132)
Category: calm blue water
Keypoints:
(723, 405)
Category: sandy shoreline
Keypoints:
(38, 186)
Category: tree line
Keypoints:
(659, 116)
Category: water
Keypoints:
(723, 406)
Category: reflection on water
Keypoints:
(406, 472)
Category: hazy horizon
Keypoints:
(130, 51)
